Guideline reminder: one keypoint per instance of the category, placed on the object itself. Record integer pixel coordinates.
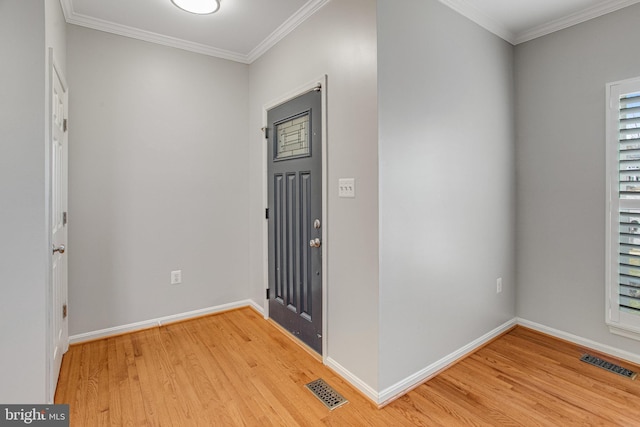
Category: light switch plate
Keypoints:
(347, 187)
(176, 277)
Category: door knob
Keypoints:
(58, 249)
(315, 243)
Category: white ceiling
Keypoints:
(242, 30)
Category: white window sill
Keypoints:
(627, 332)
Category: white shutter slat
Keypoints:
(629, 262)
(629, 147)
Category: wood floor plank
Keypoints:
(236, 369)
(448, 392)
(567, 355)
(493, 393)
(151, 408)
(113, 381)
(520, 386)
(552, 378)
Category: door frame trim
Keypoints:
(322, 80)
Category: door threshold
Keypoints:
(293, 338)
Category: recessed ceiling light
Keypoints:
(200, 7)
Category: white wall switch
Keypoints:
(347, 187)
(499, 285)
(176, 277)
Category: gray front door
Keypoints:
(295, 217)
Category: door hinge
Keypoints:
(64, 125)
(266, 213)
(64, 218)
(266, 133)
(267, 293)
(64, 311)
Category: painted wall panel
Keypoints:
(447, 208)
(340, 41)
(158, 180)
(23, 254)
(560, 114)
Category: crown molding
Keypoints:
(603, 8)
(149, 36)
(472, 13)
(67, 8)
(480, 18)
(311, 7)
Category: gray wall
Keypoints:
(158, 180)
(560, 114)
(23, 254)
(27, 30)
(447, 202)
(340, 41)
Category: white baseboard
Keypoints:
(403, 386)
(117, 330)
(419, 377)
(257, 307)
(584, 342)
(363, 387)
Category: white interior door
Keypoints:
(58, 179)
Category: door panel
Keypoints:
(295, 202)
(58, 180)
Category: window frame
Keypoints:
(618, 321)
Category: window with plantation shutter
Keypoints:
(623, 208)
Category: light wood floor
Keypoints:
(236, 368)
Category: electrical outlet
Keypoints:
(176, 277)
(499, 285)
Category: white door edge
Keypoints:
(51, 371)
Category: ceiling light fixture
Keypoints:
(199, 7)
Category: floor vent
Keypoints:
(611, 367)
(326, 394)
